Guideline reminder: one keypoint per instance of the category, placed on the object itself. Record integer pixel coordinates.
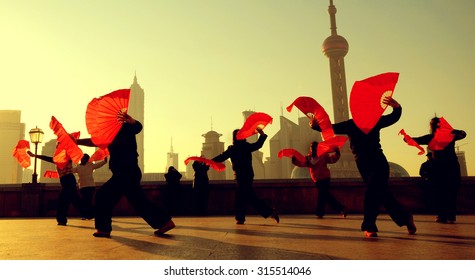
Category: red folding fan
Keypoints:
(218, 166)
(255, 120)
(20, 153)
(408, 139)
(443, 136)
(51, 174)
(366, 99)
(101, 116)
(291, 153)
(330, 144)
(66, 142)
(61, 158)
(314, 111)
(99, 154)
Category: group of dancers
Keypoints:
(365, 146)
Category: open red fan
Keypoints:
(99, 154)
(314, 111)
(66, 142)
(51, 174)
(330, 144)
(218, 166)
(61, 158)
(101, 116)
(19, 152)
(366, 99)
(291, 153)
(408, 139)
(255, 120)
(443, 136)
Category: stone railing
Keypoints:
(289, 196)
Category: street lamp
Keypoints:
(36, 136)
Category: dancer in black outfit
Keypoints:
(374, 169)
(125, 181)
(201, 187)
(240, 154)
(69, 193)
(445, 174)
(172, 193)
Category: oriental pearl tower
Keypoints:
(335, 48)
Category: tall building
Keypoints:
(137, 111)
(11, 130)
(212, 147)
(297, 136)
(462, 162)
(48, 149)
(335, 48)
(172, 158)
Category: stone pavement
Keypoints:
(297, 237)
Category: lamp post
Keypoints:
(36, 136)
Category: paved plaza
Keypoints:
(297, 237)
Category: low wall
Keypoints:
(292, 196)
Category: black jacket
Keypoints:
(240, 154)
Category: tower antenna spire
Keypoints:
(332, 12)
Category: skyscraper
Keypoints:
(137, 111)
(12, 130)
(462, 162)
(297, 136)
(48, 149)
(211, 148)
(172, 158)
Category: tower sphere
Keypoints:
(335, 45)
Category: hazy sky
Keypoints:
(202, 62)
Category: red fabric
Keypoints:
(218, 166)
(329, 145)
(313, 110)
(99, 154)
(254, 121)
(51, 174)
(408, 139)
(61, 158)
(19, 152)
(101, 116)
(366, 99)
(66, 142)
(443, 136)
(291, 153)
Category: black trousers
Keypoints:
(446, 185)
(126, 183)
(201, 195)
(245, 195)
(325, 197)
(87, 196)
(68, 195)
(375, 173)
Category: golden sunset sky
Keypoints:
(202, 62)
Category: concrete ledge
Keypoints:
(290, 196)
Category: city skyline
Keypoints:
(202, 63)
